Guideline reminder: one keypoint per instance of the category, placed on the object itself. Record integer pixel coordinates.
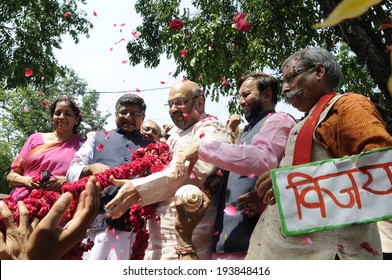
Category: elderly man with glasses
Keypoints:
(186, 108)
(104, 150)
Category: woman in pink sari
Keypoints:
(45, 157)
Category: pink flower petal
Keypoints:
(202, 135)
(307, 241)
(67, 14)
(216, 232)
(26, 110)
(122, 24)
(186, 116)
(219, 173)
(170, 73)
(230, 210)
(124, 61)
(117, 237)
(137, 90)
(192, 175)
(107, 134)
(162, 82)
(95, 13)
(100, 148)
(251, 176)
(113, 246)
(28, 72)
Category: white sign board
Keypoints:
(334, 193)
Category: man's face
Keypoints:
(129, 117)
(250, 99)
(150, 129)
(183, 107)
(300, 86)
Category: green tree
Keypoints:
(29, 31)
(26, 110)
(216, 50)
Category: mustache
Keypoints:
(291, 94)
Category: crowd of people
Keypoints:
(230, 163)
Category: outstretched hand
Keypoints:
(51, 240)
(125, 198)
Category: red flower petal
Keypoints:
(162, 82)
(28, 72)
(202, 135)
(184, 53)
(176, 24)
(26, 110)
(216, 232)
(95, 13)
(67, 14)
(100, 148)
(124, 61)
(44, 103)
(186, 116)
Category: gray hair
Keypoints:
(310, 57)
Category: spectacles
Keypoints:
(124, 114)
(179, 102)
(293, 75)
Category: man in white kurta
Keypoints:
(186, 108)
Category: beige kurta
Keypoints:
(160, 187)
(267, 241)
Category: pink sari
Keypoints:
(37, 156)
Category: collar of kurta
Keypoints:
(303, 143)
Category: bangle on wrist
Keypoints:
(186, 250)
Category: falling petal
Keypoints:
(251, 176)
(107, 134)
(113, 247)
(219, 173)
(95, 13)
(124, 61)
(26, 110)
(136, 34)
(100, 148)
(170, 73)
(230, 210)
(67, 14)
(192, 175)
(110, 49)
(307, 241)
(186, 116)
(122, 251)
(345, 10)
(162, 82)
(216, 232)
(123, 24)
(202, 135)
(114, 24)
(157, 218)
(106, 239)
(42, 78)
(28, 72)
(137, 90)
(112, 230)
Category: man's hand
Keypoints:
(186, 222)
(125, 198)
(250, 204)
(51, 240)
(264, 188)
(14, 245)
(191, 155)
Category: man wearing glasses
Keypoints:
(186, 108)
(104, 150)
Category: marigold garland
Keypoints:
(147, 160)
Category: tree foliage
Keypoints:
(217, 51)
(29, 31)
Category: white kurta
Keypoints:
(161, 187)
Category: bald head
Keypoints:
(184, 89)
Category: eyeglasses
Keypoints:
(293, 75)
(124, 114)
(179, 102)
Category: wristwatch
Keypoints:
(231, 133)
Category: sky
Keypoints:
(102, 61)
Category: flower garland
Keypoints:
(147, 160)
